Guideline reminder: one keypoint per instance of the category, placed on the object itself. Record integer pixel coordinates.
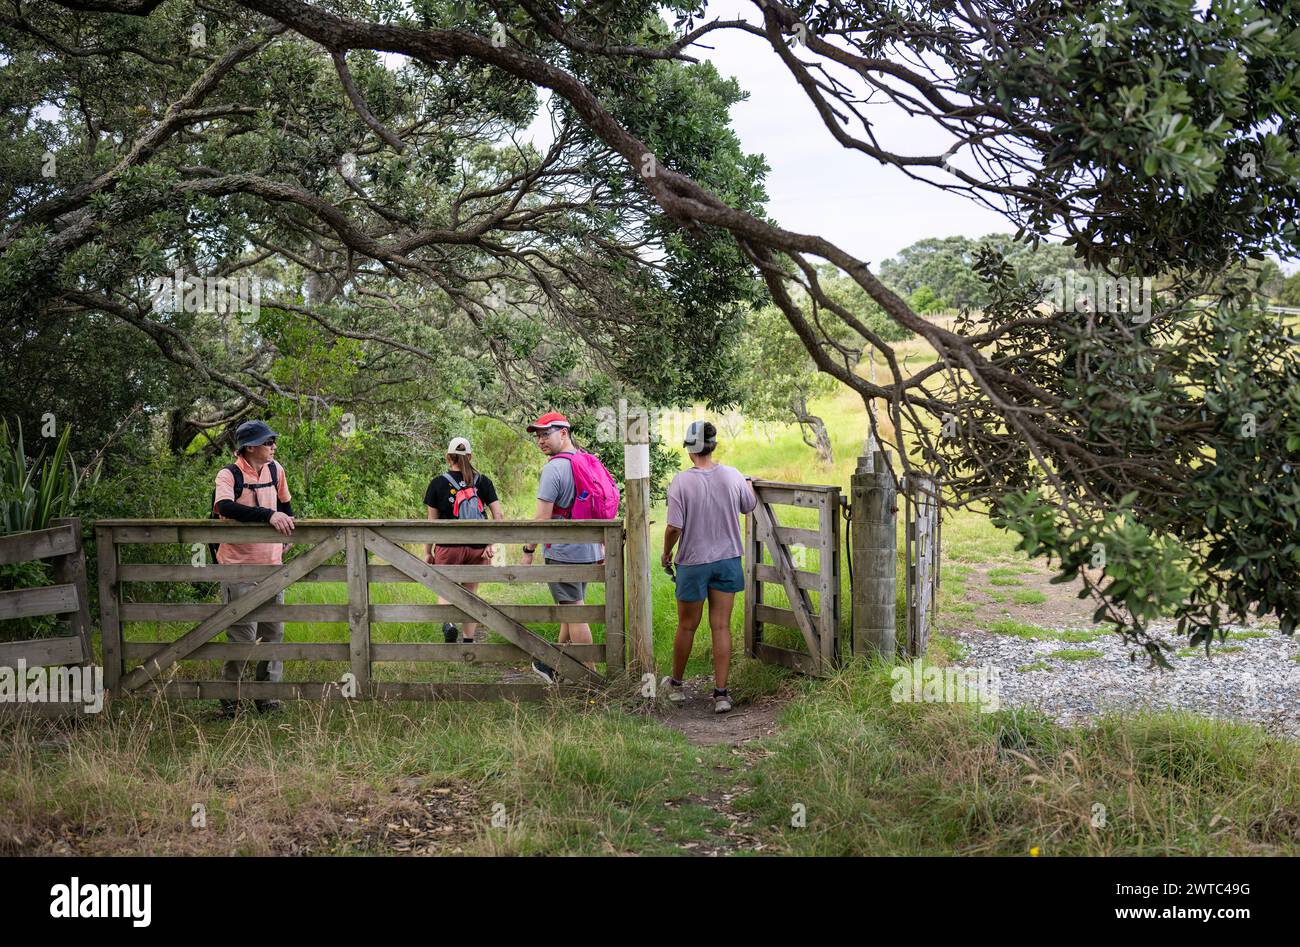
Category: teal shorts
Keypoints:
(694, 582)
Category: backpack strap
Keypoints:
(239, 479)
(458, 484)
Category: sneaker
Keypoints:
(450, 633)
(545, 672)
(676, 693)
(269, 706)
(721, 701)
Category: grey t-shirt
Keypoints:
(706, 504)
(556, 485)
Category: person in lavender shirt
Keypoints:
(705, 503)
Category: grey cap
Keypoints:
(700, 436)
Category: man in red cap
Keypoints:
(555, 496)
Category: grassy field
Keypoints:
(847, 771)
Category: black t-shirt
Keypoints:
(441, 495)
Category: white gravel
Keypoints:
(1259, 683)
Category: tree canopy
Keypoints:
(1156, 140)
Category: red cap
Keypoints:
(550, 419)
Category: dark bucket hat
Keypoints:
(252, 433)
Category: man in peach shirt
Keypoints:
(253, 490)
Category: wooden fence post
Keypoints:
(110, 625)
(358, 609)
(640, 605)
(71, 569)
(874, 498)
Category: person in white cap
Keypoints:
(461, 493)
(705, 503)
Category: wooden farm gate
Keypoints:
(62, 544)
(921, 532)
(789, 549)
(135, 666)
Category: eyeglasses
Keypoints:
(269, 442)
(543, 435)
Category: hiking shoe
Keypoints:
(545, 672)
(450, 633)
(721, 701)
(269, 706)
(676, 693)
(227, 710)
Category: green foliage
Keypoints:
(33, 494)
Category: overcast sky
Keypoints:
(815, 185)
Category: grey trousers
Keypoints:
(246, 632)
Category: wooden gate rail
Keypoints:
(819, 627)
(354, 539)
(61, 543)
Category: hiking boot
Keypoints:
(545, 672)
(450, 633)
(721, 701)
(674, 690)
(230, 709)
(269, 706)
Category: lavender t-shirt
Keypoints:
(706, 504)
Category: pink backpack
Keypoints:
(595, 494)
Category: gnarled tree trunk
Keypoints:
(813, 430)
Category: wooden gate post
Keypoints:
(71, 569)
(874, 499)
(640, 605)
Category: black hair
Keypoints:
(710, 440)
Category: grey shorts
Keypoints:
(564, 592)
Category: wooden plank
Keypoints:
(615, 655)
(71, 569)
(828, 578)
(47, 600)
(381, 690)
(795, 660)
(773, 615)
(473, 653)
(160, 572)
(480, 610)
(403, 612)
(110, 625)
(338, 614)
(753, 559)
(806, 487)
(358, 606)
(768, 531)
(790, 495)
(267, 589)
(797, 536)
(201, 611)
(450, 532)
(42, 652)
(337, 524)
(38, 544)
(245, 651)
(805, 580)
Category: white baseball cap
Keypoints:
(459, 445)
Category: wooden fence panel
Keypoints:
(358, 539)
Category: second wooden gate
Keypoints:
(783, 555)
